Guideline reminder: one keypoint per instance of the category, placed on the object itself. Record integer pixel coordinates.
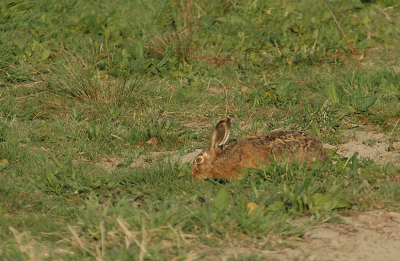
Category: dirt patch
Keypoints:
(111, 163)
(373, 235)
(375, 146)
(369, 236)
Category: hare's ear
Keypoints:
(220, 135)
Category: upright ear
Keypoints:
(220, 135)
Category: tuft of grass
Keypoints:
(87, 84)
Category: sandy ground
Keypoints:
(369, 236)
(376, 146)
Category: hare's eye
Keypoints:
(199, 160)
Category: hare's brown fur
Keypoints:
(254, 152)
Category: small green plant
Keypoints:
(153, 132)
(65, 177)
(280, 94)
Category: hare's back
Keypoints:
(297, 143)
(280, 137)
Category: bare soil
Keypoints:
(375, 146)
(369, 236)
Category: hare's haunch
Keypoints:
(215, 162)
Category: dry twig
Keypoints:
(341, 30)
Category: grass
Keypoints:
(82, 82)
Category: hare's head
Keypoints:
(203, 165)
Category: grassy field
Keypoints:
(86, 83)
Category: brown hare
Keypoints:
(227, 163)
